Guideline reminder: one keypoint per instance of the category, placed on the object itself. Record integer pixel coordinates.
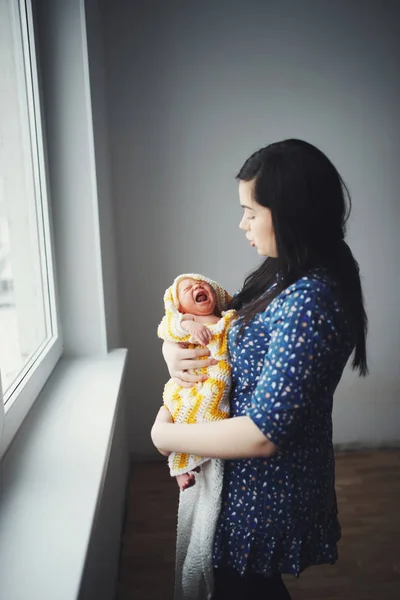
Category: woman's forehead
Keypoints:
(246, 194)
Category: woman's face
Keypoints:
(256, 222)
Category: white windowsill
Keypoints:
(52, 476)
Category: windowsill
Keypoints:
(52, 479)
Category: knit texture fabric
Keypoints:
(198, 512)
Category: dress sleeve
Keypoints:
(301, 338)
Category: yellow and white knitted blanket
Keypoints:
(208, 400)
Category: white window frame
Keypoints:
(15, 405)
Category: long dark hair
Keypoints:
(310, 205)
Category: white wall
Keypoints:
(193, 89)
(95, 44)
(80, 188)
(72, 69)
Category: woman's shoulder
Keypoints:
(314, 289)
(316, 283)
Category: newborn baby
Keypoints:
(194, 313)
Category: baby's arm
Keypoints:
(198, 332)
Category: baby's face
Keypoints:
(196, 297)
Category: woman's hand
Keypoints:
(179, 359)
(163, 417)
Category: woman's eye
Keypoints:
(250, 218)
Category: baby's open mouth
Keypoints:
(201, 297)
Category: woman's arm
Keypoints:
(236, 438)
(179, 360)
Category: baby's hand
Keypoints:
(199, 333)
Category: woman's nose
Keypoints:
(242, 224)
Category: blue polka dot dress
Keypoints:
(279, 514)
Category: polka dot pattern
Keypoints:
(279, 514)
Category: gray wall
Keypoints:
(193, 89)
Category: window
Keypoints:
(30, 342)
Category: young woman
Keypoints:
(301, 316)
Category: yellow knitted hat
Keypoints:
(171, 294)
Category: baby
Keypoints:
(194, 313)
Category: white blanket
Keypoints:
(198, 511)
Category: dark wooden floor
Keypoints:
(368, 488)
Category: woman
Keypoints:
(301, 316)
